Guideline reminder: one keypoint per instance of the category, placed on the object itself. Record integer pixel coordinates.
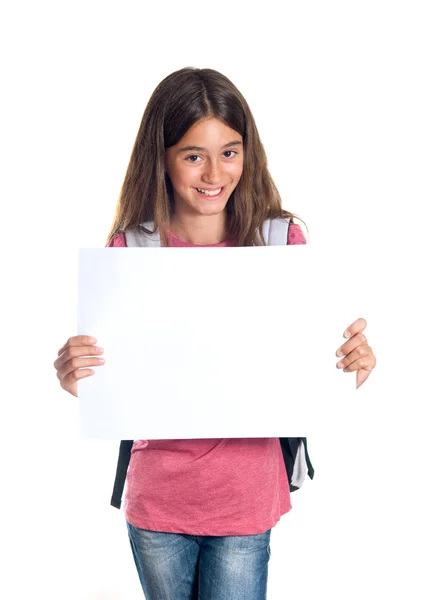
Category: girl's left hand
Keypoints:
(357, 355)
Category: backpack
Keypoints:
(294, 450)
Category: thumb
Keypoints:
(361, 376)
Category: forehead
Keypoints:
(208, 130)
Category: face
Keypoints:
(204, 167)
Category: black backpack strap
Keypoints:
(308, 460)
(289, 448)
(122, 467)
(288, 230)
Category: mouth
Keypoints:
(210, 194)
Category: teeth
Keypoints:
(209, 193)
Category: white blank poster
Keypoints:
(208, 343)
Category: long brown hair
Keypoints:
(180, 100)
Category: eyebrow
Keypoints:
(199, 149)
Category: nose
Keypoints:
(212, 172)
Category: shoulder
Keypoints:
(282, 230)
(296, 235)
(143, 235)
(117, 241)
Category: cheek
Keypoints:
(237, 171)
(177, 176)
(183, 175)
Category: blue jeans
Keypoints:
(177, 566)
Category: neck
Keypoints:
(200, 230)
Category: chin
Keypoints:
(211, 210)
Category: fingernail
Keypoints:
(346, 334)
(101, 361)
(98, 349)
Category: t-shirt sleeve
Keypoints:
(296, 235)
(117, 241)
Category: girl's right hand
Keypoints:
(70, 364)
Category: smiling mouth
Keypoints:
(210, 193)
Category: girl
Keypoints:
(200, 512)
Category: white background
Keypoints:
(335, 89)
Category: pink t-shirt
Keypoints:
(233, 486)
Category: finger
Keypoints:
(74, 364)
(358, 339)
(355, 361)
(356, 327)
(75, 352)
(78, 340)
(75, 376)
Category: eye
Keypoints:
(192, 156)
(228, 151)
